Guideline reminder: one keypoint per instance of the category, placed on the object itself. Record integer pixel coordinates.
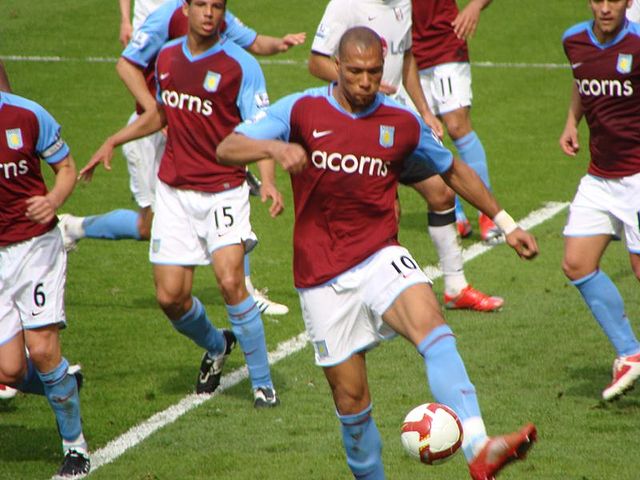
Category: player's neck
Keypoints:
(198, 44)
(342, 100)
(606, 37)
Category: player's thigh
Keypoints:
(349, 385)
(582, 254)
(227, 220)
(447, 87)
(44, 347)
(436, 193)
(12, 357)
(174, 238)
(173, 283)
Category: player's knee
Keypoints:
(172, 304)
(233, 288)
(43, 355)
(573, 269)
(12, 374)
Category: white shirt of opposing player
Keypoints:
(142, 9)
(633, 12)
(389, 19)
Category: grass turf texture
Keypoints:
(541, 359)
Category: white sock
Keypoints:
(447, 243)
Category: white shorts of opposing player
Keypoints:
(344, 316)
(606, 206)
(188, 226)
(32, 280)
(143, 161)
(447, 87)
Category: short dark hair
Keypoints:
(364, 36)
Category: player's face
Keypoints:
(205, 16)
(359, 75)
(609, 16)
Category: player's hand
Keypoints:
(434, 123)
(291, 156)
(269, 191)
(40, 209)
(292, 40)
(387, 88)
(523, 243)
(103, 155)
(465, 24)
(126, 31)
(569, 141)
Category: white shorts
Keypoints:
(345, 316)
(143, 160)
(32, 280)
(188, 226)
(447, 87)
(606, 206)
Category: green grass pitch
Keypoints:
(541, 359)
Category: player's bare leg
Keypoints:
(581, 265)
(246, 322)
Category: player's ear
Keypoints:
(336, 63)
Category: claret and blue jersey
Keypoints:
(28, 133)
(344, 200)
(607, 77)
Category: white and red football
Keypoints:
(431, 433)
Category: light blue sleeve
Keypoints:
(49, 145)
(431, 150)
(252, 97)
(237, 31)
(151, 36)
(272, 124)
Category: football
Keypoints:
(431, 433)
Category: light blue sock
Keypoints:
(460, 215)
(61, 389)
(472, 153)
(362, 444)
(31, 383)
(246, 323)
(448, 378)
(196, 325)
(606, 305)
(114, 225)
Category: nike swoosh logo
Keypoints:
(371, 18)
(35, 314)
(164, 75)
(576, 65)
(320, 134)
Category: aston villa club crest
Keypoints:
(625, 62)
(14, 138)
(386, 136)
(212, 81)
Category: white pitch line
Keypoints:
(264, 61)
(139, 433)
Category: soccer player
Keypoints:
(392, 21)
(136, 69)
(345, 146)
(206, 85)
(6, 392)
(606, 91)
(32, 277)
(440, 48)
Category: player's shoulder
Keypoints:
(21, 102)
(238, 53)
(398, 108)
(577, 29)
(171, 45)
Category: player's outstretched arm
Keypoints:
(466, 183)
(268, 189)
(149, 122)
(266, 45)
(238, 149)
(42, 208)
(466, 23)
(569, 138)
